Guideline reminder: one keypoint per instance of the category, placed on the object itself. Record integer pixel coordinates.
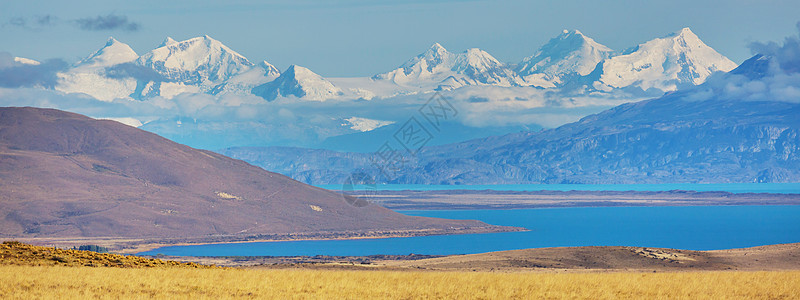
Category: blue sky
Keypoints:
(364, 37)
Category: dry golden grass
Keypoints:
(15, 253)
(26, 282)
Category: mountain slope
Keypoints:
(569, 54)
(677, 60)
(299, 82)
(66, 175)
(89, 75)
(113, 53)
(199, 60)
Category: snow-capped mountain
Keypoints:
(570, 62)
(196, 61)
(89, 76)
(441, 69)
(244, 82)
(113, 53)
(299, 82)
(665, 64)
(26, 61)
(167, 42)
(563, 57)
(364, 124)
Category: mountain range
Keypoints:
(736, 127)
(204, 94)
(205, 65)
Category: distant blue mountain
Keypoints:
(448, 133)
(730, 129)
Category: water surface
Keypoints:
(685, 227)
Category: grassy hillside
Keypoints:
(18, 254)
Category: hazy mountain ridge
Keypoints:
(737, 127)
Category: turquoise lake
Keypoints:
(684, 227)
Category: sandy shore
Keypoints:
(489, 199)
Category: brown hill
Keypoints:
(612, 258)
(65, 175)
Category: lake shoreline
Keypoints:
(775, 257)
(696, 228)
(490, 199)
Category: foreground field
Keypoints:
(26, 282)
(28, 272)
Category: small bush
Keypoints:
(93, 248)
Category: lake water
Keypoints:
(782, 188)
(687, 227)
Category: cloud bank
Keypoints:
(773, 74)
(14, 74)
(33, 23)
(97, 23)
(107, 22)
(786, 55)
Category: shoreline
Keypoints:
(582, 259)
(489, 199)
(550, 259)
(132, 246)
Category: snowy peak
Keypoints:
(437, 65)
(479, 67)
(90, 75)
(200, 60)
(113, 53)
(26, 61)
(299, 82)
(435, 59)
(168, 41)
(754, 68)
(570, 53)
(269, 69)
(436, 50)
(665, 64)
(477, 59)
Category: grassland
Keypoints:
(31, 272)
(26, 282)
